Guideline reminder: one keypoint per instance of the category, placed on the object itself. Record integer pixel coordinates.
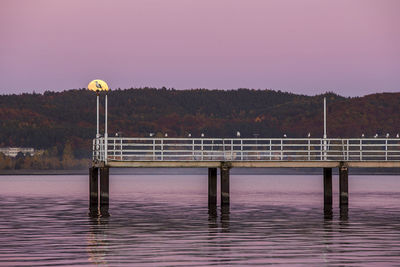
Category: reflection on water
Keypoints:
(168, 223)
(344, 213)
(97, 240)
(328, 213)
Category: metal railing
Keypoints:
(246, 149)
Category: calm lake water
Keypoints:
(163, 220)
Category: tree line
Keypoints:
(52, 120)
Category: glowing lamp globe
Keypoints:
(98, 86)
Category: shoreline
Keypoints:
(203, 171)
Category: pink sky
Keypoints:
(351, 47)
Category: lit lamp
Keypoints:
(100, 86)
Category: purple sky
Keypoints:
(351, 47)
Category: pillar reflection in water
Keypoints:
(344, 213)
(225, 217)
(97, 241)
(212, 216)
(328, 213)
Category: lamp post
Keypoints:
(98, 115)
(325, 136)
(105, 130)
(99, 86)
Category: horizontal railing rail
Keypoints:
(245, 149)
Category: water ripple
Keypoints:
(179, 230)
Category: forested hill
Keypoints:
(52, 119)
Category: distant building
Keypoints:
(13, 151)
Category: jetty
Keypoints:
(228, 153)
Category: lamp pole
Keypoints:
(98, 115)
(325, 117)
(325, 136)
(105, 131)
(98, 127)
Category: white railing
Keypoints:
(246, 149)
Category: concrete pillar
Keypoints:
(93, 190)
(212, 187)
(224, 184)
(104, 190)
(343, 186)
(327, 188)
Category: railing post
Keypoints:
(94, 150)
(386, 152)
(193, 150)
(121, 149)
(202, 153)
(105, 148)
(223, 149)
(344, 146)
(241, 149)
(162, 149)
(281, 149)
(114, 148)
(360, 149)
(97, 149)
(231, 149)
(270, 149)
(321, 150)
(309, 152)
(100, 150)
(154, 149)
(212, 150)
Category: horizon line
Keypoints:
(189, 89)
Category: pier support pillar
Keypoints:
(104, 190)
(93, 190)
(328, 188)
(328, 193)
(344, 186)
(212, 187)
(225, 184)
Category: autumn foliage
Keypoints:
(66, 121)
